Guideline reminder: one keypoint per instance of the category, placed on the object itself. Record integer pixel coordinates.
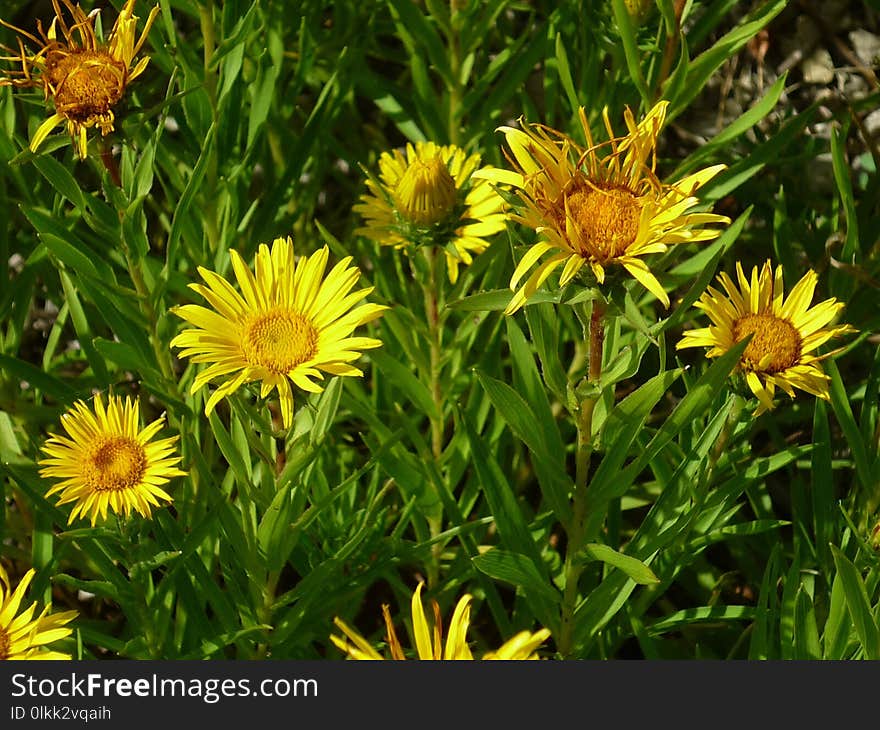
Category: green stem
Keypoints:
(455, 87)
(264, 612)
(575, 530)
(163, 354)
(435, 336)
(206, 21)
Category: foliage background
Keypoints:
(255, 120)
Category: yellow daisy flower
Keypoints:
(22, 636)
(599, 211)
(289, 324)
(84, 77)
(786, 332)
(108, 462)
(430, 196)
(429, 645)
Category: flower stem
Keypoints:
(575, 530)
(455, 86)
(435, 336)
(163, 354)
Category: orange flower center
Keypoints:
(5, 644)
(116, 463)
(426, 193)
(85, 84)
(279, 340)
(775, 345)
(606, 220)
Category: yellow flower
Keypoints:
(108, 462)
(599, 211)
(430, 196)
(786, 332)
(84, 77)
(429, 645)
(22, 636)
(289, 324)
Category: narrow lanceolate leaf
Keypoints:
(634, 568)
(696, 402)
(857, 604)
(703, 614)
(618, 433)
(517, 570)
(402, 379)
(843, 411)
(555, 482)
(703, 66)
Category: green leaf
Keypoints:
(555, 483)
(739, 126)
(858, 605)
(233, 457)
(517, 570)
(529, 384)
(274, 528)
(806, 633)
(544, 329)
(402, 379)
(765, 153)
(835, 634)
(763, 641)
(822, 483)
(841, 168)
(631, 49)
(417, 33)
(620, 429)
(181, 210)
(61, 179)
(503, 505)
(125, 356)
(328, 405)
(703, 614)
(98, 587)
(497, 300)
(21, 370)
(145, 566)
(842, 409)
(703, 66)
(634, 568)
(564, 71)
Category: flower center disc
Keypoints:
(118, 463)
(5, 644)
(607, 218)
(86, 83)
(279, 341)
(426, 193)
(775, 346)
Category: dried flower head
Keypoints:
(84, 77)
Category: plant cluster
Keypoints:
(305, 319)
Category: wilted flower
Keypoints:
(599, 211)
(84, 77)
